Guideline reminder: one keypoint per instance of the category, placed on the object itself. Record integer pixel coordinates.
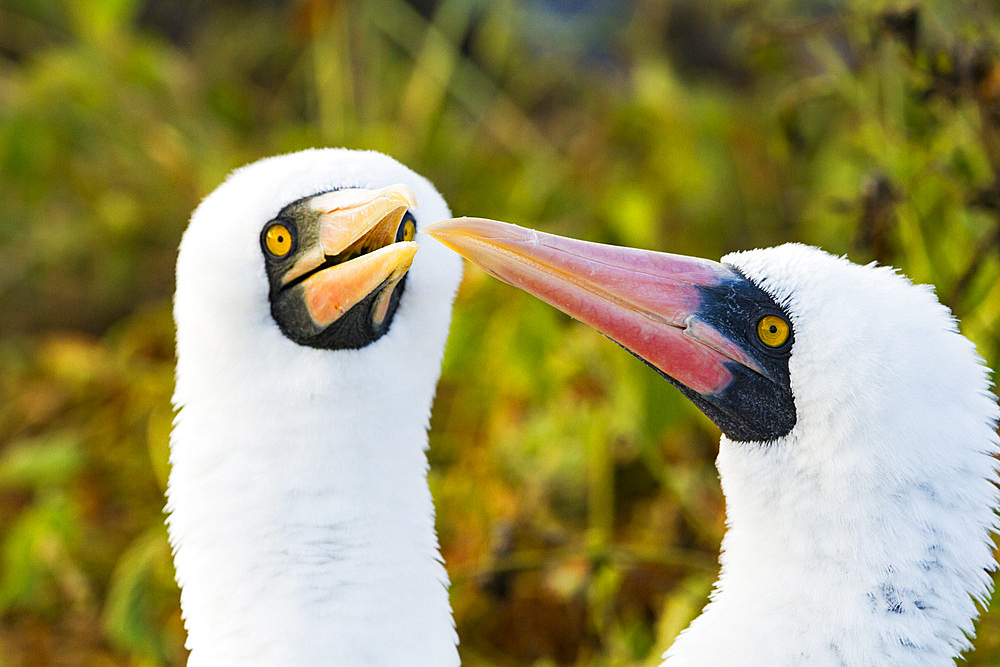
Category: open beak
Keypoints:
(648, 302)
(354, 252)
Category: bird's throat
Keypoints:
(311, 540)
(804, 581)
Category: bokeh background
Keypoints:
(578, 505)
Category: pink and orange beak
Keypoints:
(647, 302)
(691, 319)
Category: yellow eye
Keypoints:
(773, 331)
(407, 228)
(278, 240)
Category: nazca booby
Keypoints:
(308, 350)
(859, 438)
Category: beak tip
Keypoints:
(408, 195)
(440, 226)
(410, 247)
(446, 232)
(481, 229)
(433, 228)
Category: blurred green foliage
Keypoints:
(578, 505)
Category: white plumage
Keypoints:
(863, 537)
(299, 512)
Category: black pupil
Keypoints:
(281, 239)
(774, 329)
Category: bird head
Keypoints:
(298, 255)
(767, 343)
(711, 331)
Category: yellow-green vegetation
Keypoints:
(578, 505)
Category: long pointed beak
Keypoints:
(648, 302)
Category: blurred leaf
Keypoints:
(34, 557)
(143, 573)
(47, 461)
(101, 19)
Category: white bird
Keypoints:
(308, 350)
(858, 456)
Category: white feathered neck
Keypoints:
(864, 537)
(299, 512)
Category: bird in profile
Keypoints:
(858, 450)
(310, 334)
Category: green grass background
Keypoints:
(578, 505)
